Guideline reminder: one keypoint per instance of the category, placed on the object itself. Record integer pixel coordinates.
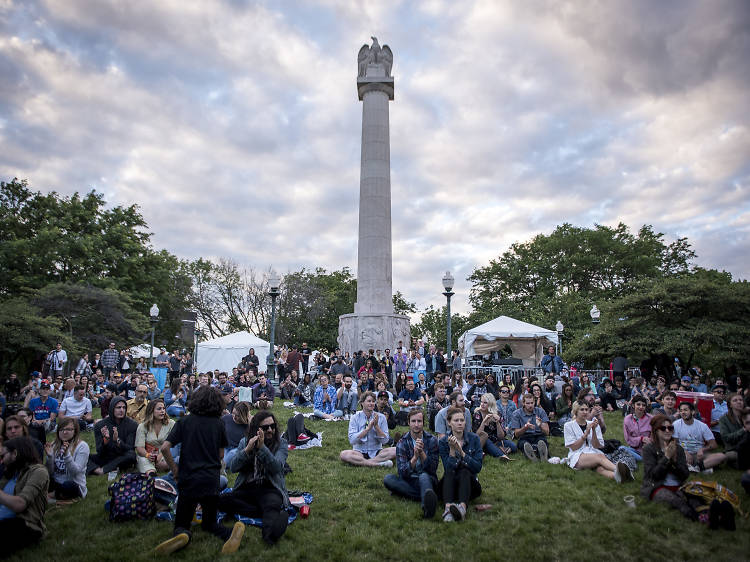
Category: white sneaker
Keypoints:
(693, 468)
(386, 464)
(447, 517)
(458, 511)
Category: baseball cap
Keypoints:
(45, 384)
(686, 379)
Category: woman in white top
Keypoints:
(150, 436)
(583, 439)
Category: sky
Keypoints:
(235, 125)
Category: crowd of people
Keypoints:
(200, 426)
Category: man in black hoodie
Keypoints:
(115, 440)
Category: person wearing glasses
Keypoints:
(260, 489)
(665, 469)
(720, 408)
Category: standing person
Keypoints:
(96, 363)
(115, 438)
(417, 461)
(57, 359)
(305, 353)
(399, 362)
(110, 356)
(456, 361)
(84, 367)
(260, 488)
(150, 436)
(203, 439)
(175, 364)
(530, 426)
(67, 460)
(387, 365)
(552, 363)
(368, 433)
(461, 453)
(23, 496)
(293, 359)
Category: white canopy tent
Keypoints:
(143, 350)
(226, 352)
(526, 340)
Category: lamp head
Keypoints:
(448, 281)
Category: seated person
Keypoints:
(410, 397)
(584, 440)
(668, 409)
(490, 428)
(665, 469)
(23, 495)
(720, 408)
(506, 406)
(383, 407)
(438, 401)
(137, 405)
(77, 407)
(417, 461)
(607, 397)
(541, 401)
(303, 396)
(154, 391)
(461, 453)
(263, 391)
(530, 426)
(15, 426)
(455, 400)
(368, 433)
(324, 400)
(346, 397)
(175, 398)
(730, 424)
(636, 427)
(260, 488)
(383, 385)
(564, 404)
(67, 461)
(115, 439)
(150, 436)
(235, 426)
(44, 407)
(595, 410)
(696, 439)
(742, 451)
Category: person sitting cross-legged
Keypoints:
(324, 400)
(346, 397)
(115, 440)
(530, 426)
(584, 439)
(260, 488)
(368, 432)
(697, 439)
(461, 453)
(490, 427)
(67, 460)
(417, 461)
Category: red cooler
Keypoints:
(704, 406)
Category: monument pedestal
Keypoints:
(366, 331)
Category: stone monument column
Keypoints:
(373, 324)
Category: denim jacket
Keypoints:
(472, 457)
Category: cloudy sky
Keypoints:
(236, 127)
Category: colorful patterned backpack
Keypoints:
(132, 498)
(709, 491)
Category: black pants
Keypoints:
(15, 535)
(608, 399)
(64, 490)
(186, 505)
(258, 500)
(460, 486)
(109, 463)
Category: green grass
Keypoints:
(539, 512)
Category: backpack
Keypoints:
(709, 491)
(132, 498)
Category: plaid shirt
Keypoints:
(110, 357)
(405, 451)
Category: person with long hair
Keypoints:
(67, 461)
(489, 425)
(235, 425)
(564, 404)
(175, 398)
(150, 436)
(665, 469)
(730, 424)
(461, 454)
(400, 382)
(260, 488)
(584, 440)
(203, 439)
(15, 426)
(23, 495)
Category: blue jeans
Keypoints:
(415, 488)
(299, 401)
(633, 452)
(335, 413)
(494, 450)
(175, 411)
(229, 455)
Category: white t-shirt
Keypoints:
(692, 437)
(74, 408)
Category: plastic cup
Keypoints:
(629, 501)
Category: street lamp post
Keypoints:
(559, 327)
(448, 286)
(197, 333)
(154, 313)
(273, 291)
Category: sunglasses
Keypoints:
(268, 426)
(666, 428)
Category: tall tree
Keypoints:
(433, 327)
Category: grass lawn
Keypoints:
(539, 512)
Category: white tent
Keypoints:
(143, 350)
(526, 340)
(226, 352)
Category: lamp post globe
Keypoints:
(559, 327)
